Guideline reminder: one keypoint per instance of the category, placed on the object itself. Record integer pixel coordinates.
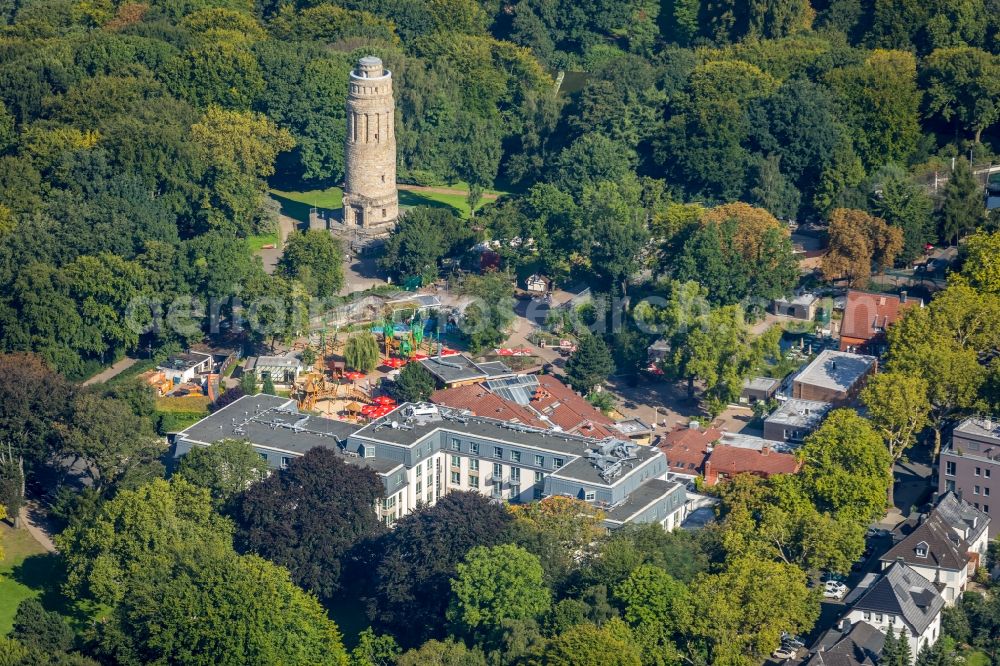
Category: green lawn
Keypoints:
(976, 658)
(257, 243)
(22, 572)
(296, 204)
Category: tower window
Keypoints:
(383, 212)
(383, 178)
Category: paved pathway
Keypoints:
(115, 370)
(36, 524)
(286, 226)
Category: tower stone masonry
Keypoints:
(370, 198)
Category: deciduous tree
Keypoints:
(963, 85)
(739, 614)
(857, 240)
(496, 584)
(136, 533)
(226, 468)
(308, 515)
(414, 563)
(362, 352)
(316, 259)
(898, 406)
(846, 469)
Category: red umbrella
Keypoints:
(382, 411)
(369, 410)
(418, 357)
(394, 363)
(384, 400)
(524, 351)
(354, 375)
(505, 352)
(448, 352)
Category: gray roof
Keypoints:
(519, 388)
(278, 362)
(184, 360)
(582, 469)
(902, 591)
(944, 548)
(760, 383)
(801, 299)
(460, 422)
(962, 517)
(982, 427)
(461, 368)
(861, 644)
(836, 370)
(273, 422)
(641, 498)
(802, 413)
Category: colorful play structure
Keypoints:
(331, 381)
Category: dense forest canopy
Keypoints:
(137, 139)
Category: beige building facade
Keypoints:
(370, 197)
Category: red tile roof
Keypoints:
(478, 400)
(733, 460)
(553, 405)
(687, 448)
(866, 311)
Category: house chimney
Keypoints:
(833, 365)
(765, 450)
(902, 296)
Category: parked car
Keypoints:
(792, 641)
(783, 653)
(834, 589)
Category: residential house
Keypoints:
(867, 315)
(945, 546)
(970, 462)
(725, 462)
(969, 522)
(834, 377)
(687, 448)
(899, 598)
(794, 420)
(848, 644)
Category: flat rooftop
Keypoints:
(802, 413)
(184, 360)
(836, 370)
(801, 299)
(760, 383)
(273, 422)
(461, 368)
(742, 441)
(640, 498)
(980, 427)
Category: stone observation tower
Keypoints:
(370, 198)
